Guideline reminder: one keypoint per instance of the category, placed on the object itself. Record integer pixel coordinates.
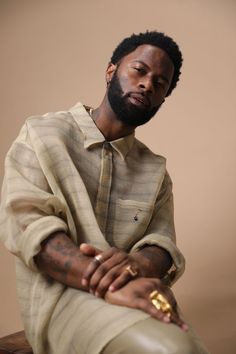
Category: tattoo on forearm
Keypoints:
(57, 256)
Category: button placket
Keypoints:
(104, 188)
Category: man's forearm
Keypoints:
(62, 260)
(154, 261)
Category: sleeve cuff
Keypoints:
(165, 242)
(35, 233)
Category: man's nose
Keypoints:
(146, 84)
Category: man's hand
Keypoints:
(109, 274)
(136, 294)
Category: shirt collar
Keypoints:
(93, 136)
(123, 145)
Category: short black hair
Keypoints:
(157, 39)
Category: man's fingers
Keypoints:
(105, 274)
(96, 270)
(95, 263)
(99, 284)
(147, 306)
(99, 267)
(174, 316)
(120, 281)
(89, 250)
(177, 320)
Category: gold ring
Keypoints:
(99, 258)
(131, 271)
(160, 302)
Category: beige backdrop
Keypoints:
(54, 53)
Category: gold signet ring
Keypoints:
(131, 271)
(160, 302)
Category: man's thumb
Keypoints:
(89, 250)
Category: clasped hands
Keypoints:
(111, 272)
(111, 279)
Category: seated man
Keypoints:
(87, 210)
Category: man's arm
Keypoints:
(62, 260)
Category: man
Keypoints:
(88, 211)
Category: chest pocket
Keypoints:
(131, 221)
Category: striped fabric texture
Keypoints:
(61, 174)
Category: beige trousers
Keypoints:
(153, 337)
(84, 324)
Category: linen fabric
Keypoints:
(62, 175)
(152, 336)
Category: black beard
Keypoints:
(125, 111)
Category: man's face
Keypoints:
(139, 84)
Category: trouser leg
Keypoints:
(153, 337)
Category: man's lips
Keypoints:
(140, 99)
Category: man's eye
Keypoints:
(159, 84)
(140, 70)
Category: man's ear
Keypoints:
(110, 72)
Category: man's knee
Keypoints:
(152, 337)
(177, 342)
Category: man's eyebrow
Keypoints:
(163, 77)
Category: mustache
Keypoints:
(140, 96)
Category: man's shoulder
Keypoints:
(42, 131)
(61, 124)
(50, 119)
(69, 119)
(144, 152)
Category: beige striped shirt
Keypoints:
(61, 174)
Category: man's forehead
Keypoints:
(149, 54)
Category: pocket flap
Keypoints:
(131, 221)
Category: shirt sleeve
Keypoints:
(161, 231)
(29, 211)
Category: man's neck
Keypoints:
(108, 123)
